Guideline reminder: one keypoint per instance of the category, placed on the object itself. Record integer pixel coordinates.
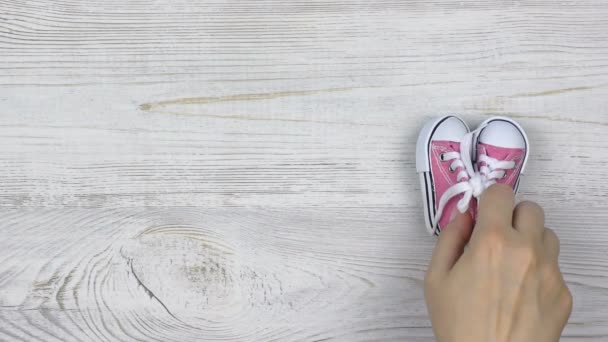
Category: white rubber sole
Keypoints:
(523, 133)
(423, 167)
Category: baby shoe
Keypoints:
(444, 173)
(500, 152)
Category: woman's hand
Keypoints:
(506, 285)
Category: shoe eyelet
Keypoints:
(450, 169)
(504, 175)
(442, 157)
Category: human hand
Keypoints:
(506, 285)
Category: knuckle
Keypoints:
(551, 241)
(491, 245)
(530, 207)
(529, 213)
(550, 234)
(494, 239)
(430, 278)
(526, 255)
(566, 300)
(495, 223)
(550, 274)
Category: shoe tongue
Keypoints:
(496, 152)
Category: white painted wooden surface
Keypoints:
(243, 170)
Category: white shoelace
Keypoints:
(469, 182)
(494, 168)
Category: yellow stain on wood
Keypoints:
(152, 106)
(547, 117)
(555, 91)
(164, 106)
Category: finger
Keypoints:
(551, 244)
(529, 219)
(496, 208)
(451, 243)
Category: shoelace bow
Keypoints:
(470, 183)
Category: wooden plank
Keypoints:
(243, 170)
(240, 274)
(287, 275)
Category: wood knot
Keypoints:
(185, 268)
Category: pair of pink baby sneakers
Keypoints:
(456, 164)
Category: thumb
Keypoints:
(451, 242)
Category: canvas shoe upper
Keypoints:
(501, 152)
(457, 165)
(445, 176)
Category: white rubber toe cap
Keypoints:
(451, 129)
(446, 128)
(502, 134)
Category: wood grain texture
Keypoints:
(243, 170)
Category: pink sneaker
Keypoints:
(501, 152)
(444, 174)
